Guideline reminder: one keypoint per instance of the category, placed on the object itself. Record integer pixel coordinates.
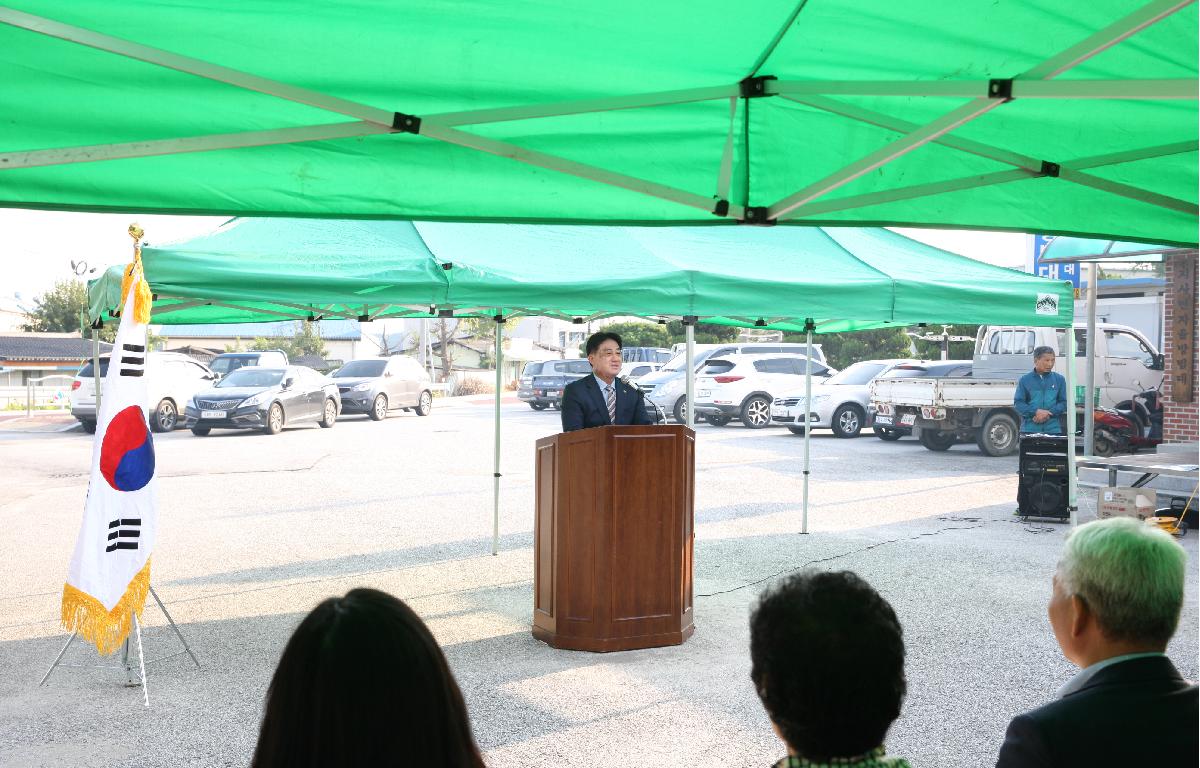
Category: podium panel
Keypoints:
(614, 538)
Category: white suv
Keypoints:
(744, 386)
(171, 380)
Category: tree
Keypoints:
(59, 309)
(705, 333)
(844, 349)
(306, 341)
(445, 330)
(639, 334)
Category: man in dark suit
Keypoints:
(1116, 602)
(602, 398)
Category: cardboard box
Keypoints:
(1125, 502)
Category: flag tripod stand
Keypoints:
(132, 678)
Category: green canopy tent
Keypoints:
(805, 279)
(996, 114)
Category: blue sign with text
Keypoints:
(1053, 270)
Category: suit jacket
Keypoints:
(583, 405)
(1136, 712)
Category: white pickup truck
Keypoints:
(946, 411)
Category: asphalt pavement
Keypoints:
(254, 530)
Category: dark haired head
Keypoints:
(1042, 351)
(362, 682)
(827, 657)
(596, 339)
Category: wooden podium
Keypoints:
(613, 538)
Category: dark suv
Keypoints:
(545, 390)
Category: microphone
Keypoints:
(659, 416)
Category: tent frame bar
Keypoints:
(1069, 171)
(884, 155)
(1152, 89)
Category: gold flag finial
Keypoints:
(136, 232)
(135, 279)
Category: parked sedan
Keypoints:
(839, 403)
(375, 385)
(264, 398)
(744, 386)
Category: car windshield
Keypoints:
(224, 365)
(679, 362)
(89, 370)
(718, 366)
(252, 377)
(859, 373)
(905, 372)
(532, 369)
(361, 369)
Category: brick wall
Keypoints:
(1181, 421)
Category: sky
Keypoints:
(37, 247)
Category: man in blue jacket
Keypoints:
(1041, 396)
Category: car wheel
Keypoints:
(934, 440)
(796, 430)
(717, 421)
(166, 416)
(883, 433)
(329, 416)
(379, 408)
(998, 435)
(426, 404)
(847, 421)
(201, 431)
(538, 406)
(274, 419)
(1102, 446)
(756, 412)
(679, 412)
(88, 426)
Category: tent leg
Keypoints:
(807, 423)
(496, 451)
(96, 368)
(1072, 470)
(1089, 371)
(689, 388)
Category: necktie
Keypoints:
(611, 397)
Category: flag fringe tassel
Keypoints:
(105, 629)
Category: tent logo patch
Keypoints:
(1047, 304)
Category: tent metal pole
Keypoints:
(807, 421)
(1089, 374)
(1103, 39)
(907, 193)
(953, 119)
(582, 106)
(1127, 190)
(97, 152)
(96, 378)
(496, 454)
(1072, 470)
(689, 386)
(572, 168)
(1154, 89)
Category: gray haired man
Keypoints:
(1117, 596)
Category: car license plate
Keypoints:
(703, 392)
(908, 419)
(781, 412)
(884, 420)
(212, 414)
(551, 393)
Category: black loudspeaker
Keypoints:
(1042, 471)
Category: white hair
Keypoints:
(1131, 576)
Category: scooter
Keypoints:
(1134, 424)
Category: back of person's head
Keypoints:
(596, 339)
(827, 657)
(1130, 575)
(362, 682)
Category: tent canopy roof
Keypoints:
(842, 278)
(973, 114)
